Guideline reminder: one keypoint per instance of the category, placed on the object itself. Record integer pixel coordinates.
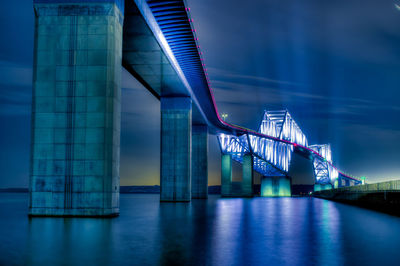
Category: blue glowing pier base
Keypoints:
(199, 162)
(320, 187)
(176, 141)
(76, 109)
(276, 186)
(317, 187)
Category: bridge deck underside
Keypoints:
(147, 62)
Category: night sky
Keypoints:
(335, 65)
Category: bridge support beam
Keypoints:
(247, 176)
(76, 110)
(276, 186)
(226, 175)
(176, 142)
(199, 162)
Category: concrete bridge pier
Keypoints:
(199, 162)
(226, 175)
(336, 183)
(76, 109)
(276, 186)
(317, 187)
(237, 189)
(247, 176)
(176, 142)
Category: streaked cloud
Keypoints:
(14, 74)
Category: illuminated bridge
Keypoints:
(269, 153)
(80, 46)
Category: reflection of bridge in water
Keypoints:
(80, 46)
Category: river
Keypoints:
(258, 231)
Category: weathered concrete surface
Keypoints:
(176, 142)
(199, 162)
(76, 110)
(383, 196)
(247, 176)
(226, 175)
(232, 189)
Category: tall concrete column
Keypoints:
(76, 109)
(247, 176)
(176, 142)
(226, 175)
(199, 162)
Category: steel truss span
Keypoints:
(272, 156)
(278, 136)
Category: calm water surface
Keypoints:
(259, 231)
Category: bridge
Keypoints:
(80, 46)
(269, 153)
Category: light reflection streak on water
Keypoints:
(328, 232)
(227, 231)
(258, 231)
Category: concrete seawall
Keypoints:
(384, 196)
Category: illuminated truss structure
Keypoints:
(272, 147)
(280, 124)
(271, 157)
(324, 171)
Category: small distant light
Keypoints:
(224, 116)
